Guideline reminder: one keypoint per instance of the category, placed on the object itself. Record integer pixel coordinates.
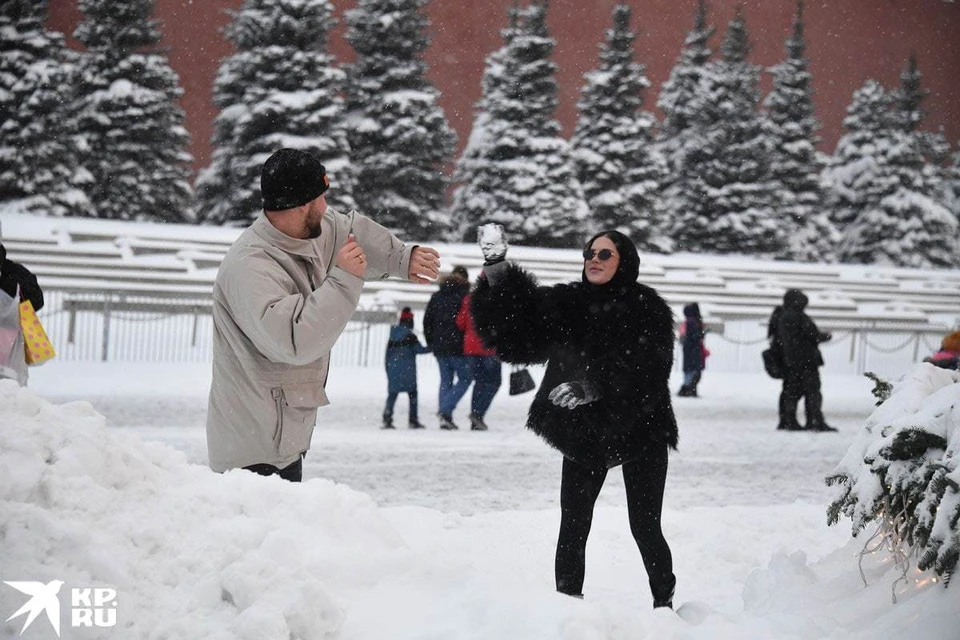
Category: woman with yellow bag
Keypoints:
(17, 285)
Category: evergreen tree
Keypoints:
(854, 161)
(400, 138)
(729, 205)
(531, 187)
(620, 173)
(39, 164)
(883, 195)
(128, 116)
(681, 103)
(795, 164)
(902, 223)
(679, 96)
(281, 89)
(477, 163)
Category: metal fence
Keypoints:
(92, 325)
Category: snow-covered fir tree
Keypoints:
(475, 167)
(902, 473)
(523, 175)
(795, 163)
(128, 116)
(903, 223)
(620, 173)
(39, 164)
(729, 204)
(399, 136)
(883, 197)
(281, 89)
(680, 101)
(854, 161)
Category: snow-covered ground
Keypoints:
(427, 534)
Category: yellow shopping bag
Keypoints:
(37, 345)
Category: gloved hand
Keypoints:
(570, 395)
(493, 243)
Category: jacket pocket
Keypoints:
(296, 414)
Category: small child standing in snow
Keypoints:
(401, 362)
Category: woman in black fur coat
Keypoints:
(604, 400)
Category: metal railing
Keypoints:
(90, 325)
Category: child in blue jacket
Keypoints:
(401, 361)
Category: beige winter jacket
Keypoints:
(279, 305)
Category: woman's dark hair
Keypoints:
(629, 268)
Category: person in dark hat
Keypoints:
(403, 347)
(283, 295)
(802, 360)
(604, 401)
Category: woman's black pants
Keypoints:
(579, 488)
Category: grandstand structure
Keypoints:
(121, 290)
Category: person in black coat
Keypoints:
(14, 275)
(693, 352)
(445, 340)
(604, 400)
(802, 360)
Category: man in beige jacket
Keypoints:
(282, 297)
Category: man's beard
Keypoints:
(313, 231)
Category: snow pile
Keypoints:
(903, 470)
(196, 555)
(191, 554)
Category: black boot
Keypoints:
(387, 421)
(663, 593)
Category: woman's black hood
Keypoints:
(692, 310)
(627, 271)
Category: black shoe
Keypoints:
(447, 423)
(416, 424)
(684, 392)
(790, 426)
(663, 597)
(820, 426)
(387, 424)
(477, 423)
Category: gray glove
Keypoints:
(570, 395)
(493, 243)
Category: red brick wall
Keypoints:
(848, 42)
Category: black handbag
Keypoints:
(521, 381)
(773, 362)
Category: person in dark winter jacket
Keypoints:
(445, 340)
(802, 361)
(694, 352)
(401, 362)
(14, 275)
(605, 398)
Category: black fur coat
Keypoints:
(618, 339)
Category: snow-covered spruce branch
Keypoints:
(903, 472)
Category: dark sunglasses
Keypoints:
(603, 254)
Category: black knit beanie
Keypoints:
(291, 178)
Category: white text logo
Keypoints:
(89, 606)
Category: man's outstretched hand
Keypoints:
(424, 265)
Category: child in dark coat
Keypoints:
(401, 362)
